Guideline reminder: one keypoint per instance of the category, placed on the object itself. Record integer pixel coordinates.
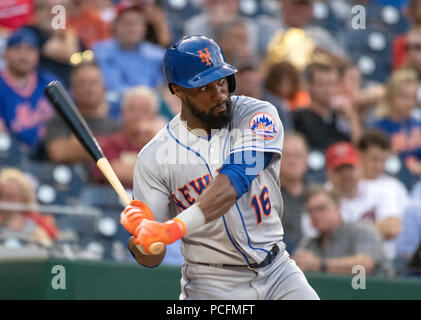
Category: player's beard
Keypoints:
(213, 120)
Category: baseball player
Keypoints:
(211, 177)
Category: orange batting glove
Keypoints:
(150, 232)
(134, 214)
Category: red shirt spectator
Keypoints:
(16, 13)
(116, 146)
(399, 55)
(140, 123)
(87, 23)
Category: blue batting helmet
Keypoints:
(194, 61)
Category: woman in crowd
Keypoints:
(396, 119)
(25, 225)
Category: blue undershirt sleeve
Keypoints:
(239, 169)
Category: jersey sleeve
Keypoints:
(150, 188)
(256, 127)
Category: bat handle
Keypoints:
(109, 173)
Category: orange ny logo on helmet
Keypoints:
(205, 56)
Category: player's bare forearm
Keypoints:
(217, 198)
(145, 260)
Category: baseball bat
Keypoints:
(68, 111)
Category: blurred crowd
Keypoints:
(344, 76)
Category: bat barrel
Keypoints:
(68, 111)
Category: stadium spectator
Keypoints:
(57, 45)
(294, 186)
(396, 119)
(234, 39)
(157, 25)
(106, 10)
(284, 81)
(362, 200)
(296, 16)
(330, 117)
(141, 122)
(410, 238)
(170, 105)
(413, 48)
(86, 21)
(24, 110)
(364, 99)
(128, 60)
(88, 92)
(340, 245)
(15, 14)
(374, 150)
(26, 225)
(249, 79)
(401, 47)
(220, 12)
(249, 82)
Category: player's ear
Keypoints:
(178, 91)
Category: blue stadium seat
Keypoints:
(64, 180)
(407, 178)
(178, 12)
(112, 236)
(386, 18)
(101, 196)
(324, 17)
(83, 226)
(316, 167)
(372, 45)
(10, 153)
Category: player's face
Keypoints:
(22, 59)
(210, 103)
(373, 161)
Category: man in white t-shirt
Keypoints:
(366, 194)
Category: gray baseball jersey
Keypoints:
(175, 167)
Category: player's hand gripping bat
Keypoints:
(67, 110)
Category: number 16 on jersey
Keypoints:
(261, 204)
